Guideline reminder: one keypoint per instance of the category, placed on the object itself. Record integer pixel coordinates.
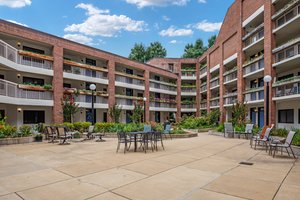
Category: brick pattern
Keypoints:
(111, 86)
(147, 95)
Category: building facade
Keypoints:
(257, 38)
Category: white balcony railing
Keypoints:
(254, 66)
(129, 80)
(230, 77)
(214, 103)
(287, 90)
(203, 105)
(189, 89)
(286, 16)
(162, 105)
(10, 89)
(188, 106)
(254, 38)
(84, 72)
(287, 53)
(215, 83)
(254, 96)
(162, 86)
(230, 100)
(88, 99)
(12, 54)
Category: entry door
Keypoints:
(88, 115)
(157, 117)
(253, 115)
(261, 120)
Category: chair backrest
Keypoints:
(290, 137)
(168, 128)
(249, 128)
(267, 133)
(91, 129)
(61, 131)
(121, 135)
(147, 128)
(263, 132)
(49, 130)
(228, 127)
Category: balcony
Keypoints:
(214, 83)
(286, 21)
(229, 101)
(163, 87)
(123, 80)
(289, 91)
(12, 93)
(203, 105)
(191, 107)
(231, 77)
(203, 72)
(255, 42)
(287, 56)
(189, 90)
(25, 61)
(252, 68)
(127, 102)
(203, 88)
(163, 106)
(254, 95)
(86, 100)
(188, 75)
(215, 102)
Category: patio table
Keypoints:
(135, 134)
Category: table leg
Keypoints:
(135, 143)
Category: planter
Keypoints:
(21, 140)
(203, 130)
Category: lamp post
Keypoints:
(93, 88)
(145, 99)
(267, 79)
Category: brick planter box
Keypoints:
(21, 140)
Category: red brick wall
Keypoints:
(250, 6)
(215, 58)
(230, 46)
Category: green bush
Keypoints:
(77, 135)
(296, 140)
(25, 130)
(194, 122)
(221, 128)
(240, 128)
(69, 126)
(280, 132)
(81, 126)
(109, 127)
(8, 131)
(132, 127)
(177, 130)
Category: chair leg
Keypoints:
(255, 144)
(275, 148)
(292, 152)
(118, 147)
(162, 144)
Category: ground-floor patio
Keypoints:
(206, 167)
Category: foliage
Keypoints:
(177, 130)
(8, 131)
(70, 108)
(240, 127)
(25, 130)
(221, 128)
(194, 122)
(280, 132)
(77, 135)
(211, 41)
(39, 128)
(70, 126)
(47, 87)
(115, 112)
(132, 127)
(137, 113)
(296, 140)
(239, 113)
(38, 137)
(143, 54)
(81, 126)
(156, 126)
(194, 50)
(138, 53)
(213, 116)
(109, 127)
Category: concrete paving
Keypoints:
(206, 167)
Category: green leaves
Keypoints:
(115, 112)
(142, 53)
(198, 49)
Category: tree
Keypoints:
(239, 113)
(211, 41)
(70, 108)
(155, 50)
(138, 53)
(137, 113)
(194, 50)
(115, 112)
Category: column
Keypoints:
(147, 95)
(222, 88)
(241, 57)
(198, 88)
(111, 86)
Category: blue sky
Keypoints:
(115, 25)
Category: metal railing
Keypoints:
(188, 106)
(162, 87)
(230, 77)
(12, 54)
(214, 103)
(230, 100)
(254, 96)
(126, 102)
(287, 53)
(84, 72)
(10, 89)
(203, 88)
(188, 74)
(162, 105)
(287, 90)
(203, 70)
(259, 64)
(254, 38)
(88, 99)
(215, 83)
(189, 89)
(129, 80)
(203, 105)
(288, 16)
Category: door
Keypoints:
(261, 120)
(128, 116)
(253, 115)
(105, 117)
(157, 117)
(88, 115)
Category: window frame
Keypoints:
(285, 111)
(40, 119)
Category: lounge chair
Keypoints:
(50, 133)
(62, 135)
(248, 130)
(263, 140)
(228, 129)
(90, 134)
(167, 131)
(275, 144)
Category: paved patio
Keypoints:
(206, 167)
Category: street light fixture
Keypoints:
(145, 99)
(267, 79)
(93, 88)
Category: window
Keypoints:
(67, 85)
(67, 68)
(171, 67)
(289, 16)
(89, 61)
(35, 81)
(129, 71)
(286, 116)
(157, 78)
(280, 56)
(261, 64)
(1, 76)
(33, 116)
(140, 94)
(33, 50)
(2, 114)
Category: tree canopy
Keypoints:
(198, 49)
(142, 53)
(211, 41)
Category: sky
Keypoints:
(116, 25)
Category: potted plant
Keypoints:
(38, 137)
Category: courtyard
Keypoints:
(205, 167)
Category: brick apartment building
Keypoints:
(257, 38)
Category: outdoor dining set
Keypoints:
(264, 139)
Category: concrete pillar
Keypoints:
(147, 95)
(198, 89)
(111, 87)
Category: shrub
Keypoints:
(82, 126)
(280, 132)
(177, 130)
(107, 127)
(25, 130)
(69, 126)
(240, 128)
(296, 140)
(8, 131)
(221, 128)
(213, 117)
(77, 135)
(132, 127)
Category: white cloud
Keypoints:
(173, 32)
(145, 3)
(101, 23)
(201, 1)
(173, 42)
(79, 38)
(166, 18)
(208, 26)
(15, 3)
(15, 22)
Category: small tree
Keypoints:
(239, 113)
(137, 113)
(70, 108)
(213, 116)
(115, 113)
